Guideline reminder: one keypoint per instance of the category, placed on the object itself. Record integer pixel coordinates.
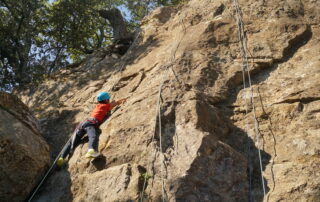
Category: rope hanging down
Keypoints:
(246, 69)
(160, 139)
(158, 113)
(48, 172)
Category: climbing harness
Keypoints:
(246, 69)
(93, 121)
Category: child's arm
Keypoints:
(116, 103)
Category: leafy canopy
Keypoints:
(38, 37)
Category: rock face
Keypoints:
(200, 146)
(24, 154)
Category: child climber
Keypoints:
(89, 126)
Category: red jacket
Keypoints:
(100, 111)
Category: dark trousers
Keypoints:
(83, 128)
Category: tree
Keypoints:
(38, 38)
(19, 27)
(117, 22)
(82, 30)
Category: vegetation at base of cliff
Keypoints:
(37, 37)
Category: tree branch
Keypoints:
(117, 22)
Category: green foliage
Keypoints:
(83, 30)
(18, 30)
(37, 38)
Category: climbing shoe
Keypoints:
(60, 162)
(91, 154)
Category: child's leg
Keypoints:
(66, 149)
(91, 131)
(72, 143)
(76, 138)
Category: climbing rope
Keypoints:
(158, 114)
(160, 139)
(48, 172)
(240, 36)
(246, 69)
(177, 47)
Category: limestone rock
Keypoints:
(24, 154)
(205, 149)
(123, 183)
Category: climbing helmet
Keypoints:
(103, 96)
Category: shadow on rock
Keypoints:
(56, 188)
(240, 141)
(100, 162)
(227, 169)
(56, 127)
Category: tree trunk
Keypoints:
(117, 22)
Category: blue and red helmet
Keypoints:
(103, 96)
